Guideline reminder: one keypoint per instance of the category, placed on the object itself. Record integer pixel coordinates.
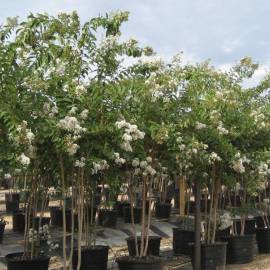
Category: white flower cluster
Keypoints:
(42, 235)
(225, 221)
(71, 123)
(132, 133)
(118, 160)
(221, 129)
(80, 90)
(259, 117)
(24, 160)
(143, 167)
(199, 125)
(80, 163)
(49, 110)
(264, 169)
(84, 114)
(238, 163)
(100, 166)
(213, 157)
(26, 137)
(7, 176)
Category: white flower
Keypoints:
(7, 176)
(221, 129)
(135, 162)
(149, 159)
(120, 124)
(24, 160)
(118, 160)
(71, 123)
(72, 148)
(214, 157)
(84, 114)
(195, 151)
(200, 125)
(73, 110)
(80, 163)
(238, 166)
(30, 136)
(143, 164)
(182, 147)
(127, 137)
(150, 170)
(126, 146)
(80, 90)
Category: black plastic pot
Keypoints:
(119, 206)
(235, 200)
(260, 222)
(190, 207)
(249, 226)
(18, 221)
(163, 210)
(107, 218)
(137, 263)
(137, 214)
(181, 241)
(16, 262)
(263, 240)
(2, 230)
(56, 216)
(153, 245)
(221, 234)
(12, 202)
(44, 221)
(213, 256)
(240, 248)
(93, 258)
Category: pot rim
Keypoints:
(139, 237)
(263, 229)
(11, 257)
(139, 260)
(100, 247)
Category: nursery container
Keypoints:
(12, 202)
(249, 226)
(137, 214)
(15, 261)
(119, 206)
(137, 263)
(213, 256)
(18, 221)
(263, 239)
(163, 210)
(92, 258)
(181, 240)
(153, 245)
(240, 248)
(56, 216)
(107, 218)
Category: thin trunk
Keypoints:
(62, 173)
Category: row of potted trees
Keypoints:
(78, 111)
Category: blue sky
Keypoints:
(221, 30)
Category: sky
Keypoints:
(223, 31)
